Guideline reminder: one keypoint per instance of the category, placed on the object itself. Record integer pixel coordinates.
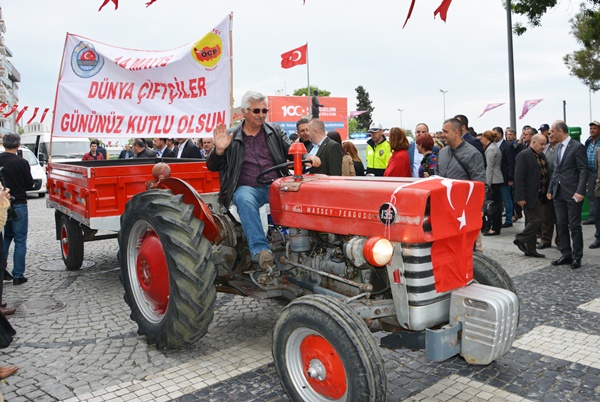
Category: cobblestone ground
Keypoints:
(75, 340)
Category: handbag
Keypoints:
(6, 332)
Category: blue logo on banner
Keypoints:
(85, 61)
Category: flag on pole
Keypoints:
(294, 57)
(490, 107)
(355, 113)
(528, 105)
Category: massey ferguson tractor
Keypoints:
(351, 253)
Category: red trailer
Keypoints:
(90, 196)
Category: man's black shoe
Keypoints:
(536, 254)
(522, 247)
(563, 260)
(507, 225)
(595, 244)
(588, 222)
(7, 275)
(576, 263)
(19, 281)
(541, 246)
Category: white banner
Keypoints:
(110, 92)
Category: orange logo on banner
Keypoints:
(207, 51)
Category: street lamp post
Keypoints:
(444, 100)
(401, 110)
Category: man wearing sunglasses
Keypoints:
(240, 155)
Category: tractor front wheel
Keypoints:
(166, 269)
(324, 352)
(488, 272)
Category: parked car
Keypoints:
(37, 172)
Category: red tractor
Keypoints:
(350, 252)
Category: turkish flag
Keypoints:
(294, 57)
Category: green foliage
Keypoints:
(352, 126)
(585, 63)
(302, 91)
(363, 103)
(534, 10)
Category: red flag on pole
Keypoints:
(442, 10)
(294, 57)
(116, 2)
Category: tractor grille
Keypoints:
(418, 273)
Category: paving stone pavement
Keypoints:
(75, 341)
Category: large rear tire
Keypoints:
(488, 272)
(324, 352)
(166, 269)
(71, 243)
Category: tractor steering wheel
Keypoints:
(277, 167)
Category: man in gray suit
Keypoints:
(531, 186)
(567, 189)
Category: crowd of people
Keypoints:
(155, 148)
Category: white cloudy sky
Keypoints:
(351, 43)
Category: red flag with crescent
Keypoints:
(21, 113)
(11, 111)
(294, 57)
(44, 115)
(35, 112)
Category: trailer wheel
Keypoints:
(324, 352)
(165, 269)
(488, 272)
(71, 243)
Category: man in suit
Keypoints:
(302, 130)
(329, 151)
(596, 243)
(507, 167)
(140, 149)
(127, 153)
(187, 149)
(531, 187)
(162, 150)
(548, 207)
(567, 189)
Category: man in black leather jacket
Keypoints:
(240, 154)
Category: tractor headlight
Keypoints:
(378, 251)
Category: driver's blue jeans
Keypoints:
(248, 200)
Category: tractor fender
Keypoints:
(191, 197)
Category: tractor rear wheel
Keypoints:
(488, 272)
(166, 269)
(324, 352)
(71, 243)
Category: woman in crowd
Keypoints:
(350, 149)
(347, 164)
(425, 147)
(495, 180)
(399, 163)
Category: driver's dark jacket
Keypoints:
(229, 165)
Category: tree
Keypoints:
(352, 126)
(534, 10)
(363, 103)
(302, 91)
(585, 63)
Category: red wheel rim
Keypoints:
(317, 351)
(153, 272)
(64, 241)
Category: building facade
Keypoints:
(9, 79)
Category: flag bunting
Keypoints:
(528, 105)
(490, 107)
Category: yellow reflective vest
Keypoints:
(378, 156)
